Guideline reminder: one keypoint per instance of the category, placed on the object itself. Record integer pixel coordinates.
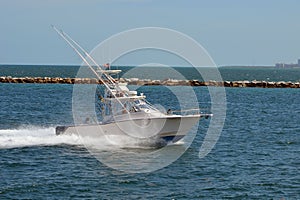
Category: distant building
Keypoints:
(285, 65)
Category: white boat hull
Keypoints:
(169, 129)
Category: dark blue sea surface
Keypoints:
(190, 73)
(256, 156)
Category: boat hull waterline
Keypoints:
(168, 129)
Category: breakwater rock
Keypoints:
(57, 80)
(136, 81)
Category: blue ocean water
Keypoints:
(256, 156)
(228, 73)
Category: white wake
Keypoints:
(34, 136)
(39, 136)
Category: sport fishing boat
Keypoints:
(123, 112)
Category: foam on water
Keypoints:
(34, 136)
(40, 136)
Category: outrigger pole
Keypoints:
(71, 43)
(89, 56)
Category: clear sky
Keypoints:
(234, 32)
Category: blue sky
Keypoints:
(234, 32)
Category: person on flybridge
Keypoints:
(106, 66)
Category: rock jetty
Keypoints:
(136, 81)
(57, 80)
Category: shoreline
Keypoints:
(136, 81)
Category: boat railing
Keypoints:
(195, 111)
